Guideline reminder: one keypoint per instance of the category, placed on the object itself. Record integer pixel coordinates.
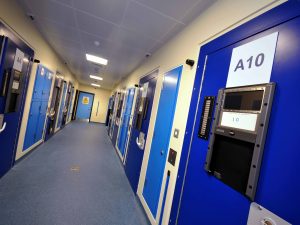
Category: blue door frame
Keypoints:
(134, 153)
(123, 136)
(197, 195)
(161, 138)
(84, 109)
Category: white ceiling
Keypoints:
(126, 29)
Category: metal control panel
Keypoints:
(238, 136)
(259, 215)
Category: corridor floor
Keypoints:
(75, 178)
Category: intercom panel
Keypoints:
(238, 136)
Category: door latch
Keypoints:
(2, 125)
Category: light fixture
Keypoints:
(96, 59)
(96, 85)
(96, 77)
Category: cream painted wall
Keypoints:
(13, 16)
(219, 18)
(101, 97)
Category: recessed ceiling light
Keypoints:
(96, 59)
(96, 85)
(96, 77)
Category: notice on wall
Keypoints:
(252, 63)
(85, 100)
(18, 61)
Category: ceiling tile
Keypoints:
(173, 8)
(172, 32)
(146, 21)
(104, 48)
(95, 26)
(50, 27)
(62, 41)
(66, 2)
(53, 11)
(133, 39)
(194, 12)
(112, 10)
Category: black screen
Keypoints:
(231, 160)
(246, 100)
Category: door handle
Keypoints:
(140, 145)
(162, 152)
(3, 127)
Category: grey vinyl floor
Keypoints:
(76, 178)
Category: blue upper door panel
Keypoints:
(39, 82)
(47, 85)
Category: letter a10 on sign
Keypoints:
(252, 63)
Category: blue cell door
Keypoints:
(38, 108)
(84, 106)
(11, 106)
(123, 135)
(62, 105)
(135, 153)
(278, 186)
(161, 138)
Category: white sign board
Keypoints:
(18, 62)
(252, 63)
(245, 121)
